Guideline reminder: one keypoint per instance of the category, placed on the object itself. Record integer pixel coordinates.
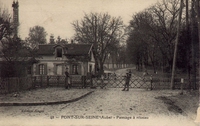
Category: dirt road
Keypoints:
(111, 106)
(136, 106)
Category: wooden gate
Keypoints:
(118, 81)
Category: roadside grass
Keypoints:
(188, 102)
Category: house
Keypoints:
(55, 58)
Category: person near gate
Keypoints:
(67, 79)
(128, 77)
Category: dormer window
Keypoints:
(59, 52)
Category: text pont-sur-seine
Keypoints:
(101, 117)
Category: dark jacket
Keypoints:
(128, 76)
(66, 74)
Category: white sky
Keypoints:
(56, 16)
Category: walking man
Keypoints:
(128, 77)
(67, 79)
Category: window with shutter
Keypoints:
(41, 69)
(45, 69)
(79, 69)
(37, 69)
(59, 52)
(29, 70)
(74, 69)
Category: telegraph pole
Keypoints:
(197, 7)
(189, 48)
(176, 44)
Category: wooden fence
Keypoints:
(59, 81)
(15, 84)
(164, 83)
(9, 85)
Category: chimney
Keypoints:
(58, 39)
(66, 41)
(15, 6)
(51, 39)
(72, 41)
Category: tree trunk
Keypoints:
(193, 27)
(101, 72)
(198, 17)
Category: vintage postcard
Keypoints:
(99, 62)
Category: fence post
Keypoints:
(48, 81)
(34, 82)
(91, 81)
(18, 83)
(182, 82)
(71, 80)
(108, 80)
(102, 81)
(83, 81)
(8, 80)
(66, 81)
(41, 81)
(151, 81)
(58, 78)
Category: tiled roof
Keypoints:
(71, 49)
(78, 49)
(46, 49)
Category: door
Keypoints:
(59, 69)
(90, 68)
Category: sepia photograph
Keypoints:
(99, 62)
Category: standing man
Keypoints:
(128, 77)
(67, 79)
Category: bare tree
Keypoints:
(156, 27)
(102, 31)
(165, 18)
